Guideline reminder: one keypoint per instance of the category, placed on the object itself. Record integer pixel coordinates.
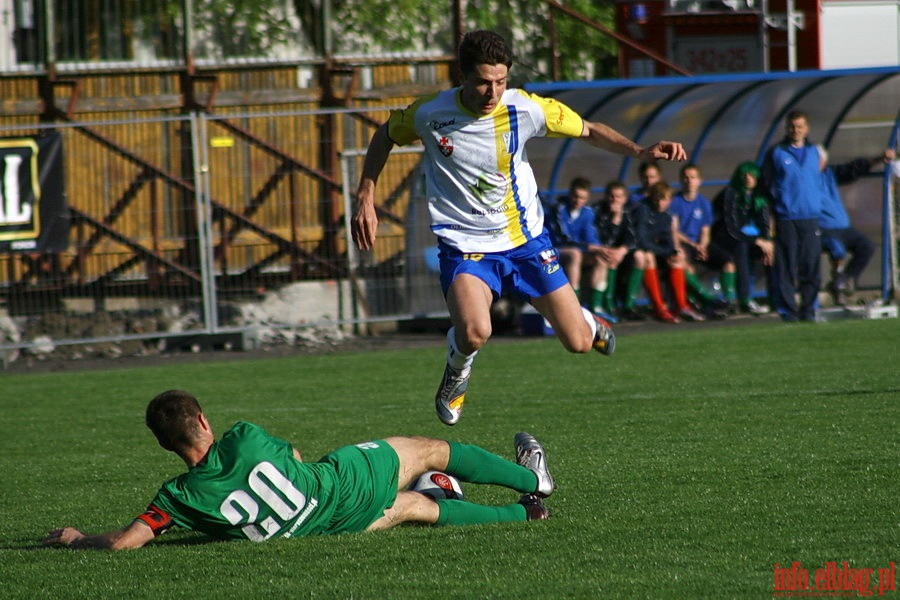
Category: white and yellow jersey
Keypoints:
(482, 195)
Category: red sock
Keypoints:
(679, 287)
(651, 282)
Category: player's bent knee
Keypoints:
(580, 344)
(478, 335)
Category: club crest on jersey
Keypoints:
(445, 146)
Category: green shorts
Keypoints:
(368, 475)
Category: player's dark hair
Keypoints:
(483, 48)
(659, 191)
(688, 166)
(172, 417)
(580, 183)
(615, 185)
(646, 166)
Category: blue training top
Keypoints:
(834, 215)
(791, 178)
(566, 230)
(693, 215)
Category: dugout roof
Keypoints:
(722, 120)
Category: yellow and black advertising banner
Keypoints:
(34, 215)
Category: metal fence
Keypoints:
(217, 229)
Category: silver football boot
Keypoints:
(530, 454)
(451, 394)
(605, 338)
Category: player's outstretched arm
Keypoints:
(131, 536)
(607, 138)
(364, 224)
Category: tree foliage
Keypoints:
(366, 26)
(236, 28)
(224, 29)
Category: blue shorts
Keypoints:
(531, 270)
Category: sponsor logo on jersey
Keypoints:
(497, 210)
(445, 146)
(435, 125)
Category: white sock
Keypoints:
(455, 357)
(592, 323)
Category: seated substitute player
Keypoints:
(693, 213)
(571, 225)
(743, 228)
(839, 238)
(649, 174)
(484, 207)
(616, 232)
(251, 485)
(655, 243)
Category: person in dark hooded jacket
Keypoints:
(743, 228)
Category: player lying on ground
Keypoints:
(251, 485)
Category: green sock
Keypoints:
(597, 300)
(610, 302)
(460, 512)
(729, 285)
(696, 288)
(635, 281)
(477, 465)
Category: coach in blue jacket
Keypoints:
(791, 179)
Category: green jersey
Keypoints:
(250, 486)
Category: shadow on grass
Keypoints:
(183, 540)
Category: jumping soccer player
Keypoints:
(251, 485)
(484, 206)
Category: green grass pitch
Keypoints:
(688, 465)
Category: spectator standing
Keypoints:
(792, 181)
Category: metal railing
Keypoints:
(203, 225)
